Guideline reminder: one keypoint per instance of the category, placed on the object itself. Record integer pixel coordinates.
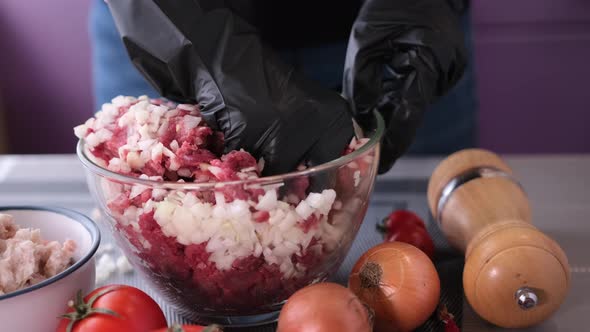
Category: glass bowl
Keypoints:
(231, 253)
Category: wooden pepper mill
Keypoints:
(515, 276)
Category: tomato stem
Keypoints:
(83, 309)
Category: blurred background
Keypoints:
(531, 65)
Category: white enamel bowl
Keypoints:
(38, 307)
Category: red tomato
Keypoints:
(190, 328)
(113, 308)
(414, 235)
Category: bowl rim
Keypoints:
(375, 138)
(82, 219)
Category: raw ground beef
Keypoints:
(232, 248)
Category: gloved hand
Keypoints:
(402, 55)
(210, 56)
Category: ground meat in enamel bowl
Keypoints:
(26, 258)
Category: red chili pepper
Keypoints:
(448, 319)
(406, 226)
(416, 236)
(399, 218)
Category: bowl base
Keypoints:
(235, 321)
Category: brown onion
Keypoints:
(399, 282)
(324, 307)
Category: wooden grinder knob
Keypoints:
(515, 276)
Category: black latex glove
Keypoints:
(199, 52)
(402, 55)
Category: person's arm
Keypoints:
(402, 55)
(112, 72)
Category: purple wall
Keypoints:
(533, 70)
(531, 63)
(44, 72)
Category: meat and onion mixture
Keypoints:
(235, 246)
(26, 259)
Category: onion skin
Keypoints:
(324, 307)
(399, 282)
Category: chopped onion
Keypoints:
(191, 122)
(268, 201)
(142, 116)
(174, 145)
(146, 144)
(92, 140)
(187, 107)
(184, 172)
(123, 265)
(357, 178)
(304, 210)
(81, 130)
(137, 190)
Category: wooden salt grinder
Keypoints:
(514, 275)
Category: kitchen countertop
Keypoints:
(558, 187)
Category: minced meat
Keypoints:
(232, 248)
(26, 259)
